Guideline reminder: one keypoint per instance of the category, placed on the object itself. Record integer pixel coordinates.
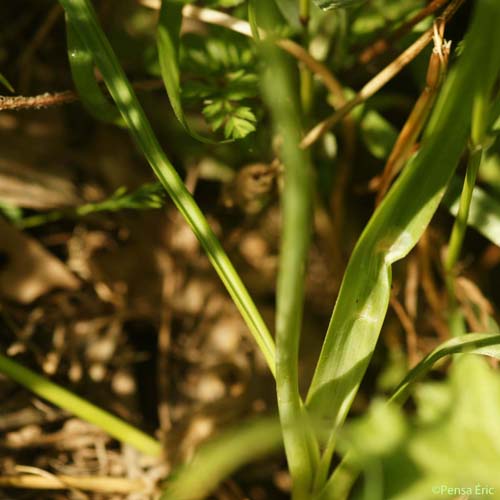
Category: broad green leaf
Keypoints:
(477, 343)
(456, 452)
(484, 215)
(396, 227)
(83, 17)
(82, 70)
(462, 447)
(219, 458)
(452, 442)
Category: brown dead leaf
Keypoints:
(27, 270)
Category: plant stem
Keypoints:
(80, 407)
(302, 450)
(478, 136)
(460, 225)
(304, 10)
(306, 80)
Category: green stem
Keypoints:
(304, 12)
(41, 219)
(302, 450)
(460, 225)
(67, 400)
(306, 77)
(478, 135)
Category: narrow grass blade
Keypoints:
(168, 42)
(397, 225)
(83, 17)
(484, 215)
(6, 83)
(82, 70)
(486, 344)
(301, 448)
(80, 407)
(220, 458)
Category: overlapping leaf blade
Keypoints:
(396, 227)
(82, 70)
(83, 17)
(487, 344)
(218, 459)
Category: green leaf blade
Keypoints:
(394, 229)
(84, 18)
(217, 459)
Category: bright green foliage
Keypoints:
(11, 212)
(454, 441)
(395, 228)
(290, 11)
(237, 122)
(220, 75)
(477, 343)
(224, 3)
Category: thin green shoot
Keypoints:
(148, 196)
(65, 399)
(300, 445)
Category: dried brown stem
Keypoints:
(379, 81)
(60, 482)
(48, 99)
(418, 117)
(409, 328)
(383, 44)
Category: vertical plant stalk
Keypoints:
(300, 444)
(82, 71)
(79, 407)
(306, 77)
(84, 20)
(460, 224)
(478, 137)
